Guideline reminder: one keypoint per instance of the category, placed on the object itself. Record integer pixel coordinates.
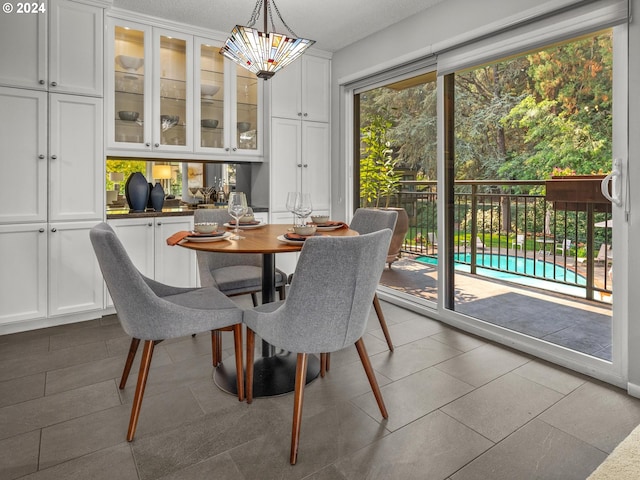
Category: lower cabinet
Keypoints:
(48, 270)
(145, 242)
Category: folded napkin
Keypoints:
(252, 222)
(299, 238)
(178, 237)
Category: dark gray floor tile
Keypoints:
(10, 348)
(500, 407)
(109, 464)
(23, 365)
(483, 364)
(86, 335)
(414, 396)
(458, 340)
(432, 447)
(21, 389)
(537, 451)
(410, 330)
(599, 414)
(90, 433)
(19, 455)
(45, 411)
(221, 466)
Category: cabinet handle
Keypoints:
(235, 149)
(159, 223)
(299, 165)
(147, 144)
(150, 224)
(156, 145)
(305, 165)
(299, 114)
(41, 230)
(41, 82)
(54, 84)
(54, 157)
(226, 149)
(306, 114)
(41, 156)
(54, 230)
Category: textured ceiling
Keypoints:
(333, 24)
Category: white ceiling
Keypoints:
(333, 24)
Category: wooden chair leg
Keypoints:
(143, 374)
(323, 364)
(133, 348)
(251, 340)
(283, 292)
(237, 339)
(215, 347)
(364, 358)
(254, 299)
(301, 377)
(383, 323)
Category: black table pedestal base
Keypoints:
(272, 376)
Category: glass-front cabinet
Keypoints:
(175, 93)
(229, 117)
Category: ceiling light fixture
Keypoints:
(260, 52)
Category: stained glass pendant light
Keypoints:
(264, 53)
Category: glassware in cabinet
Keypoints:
(212, 94)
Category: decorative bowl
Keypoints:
(130, 64)
(249, 217)
(319, 219)
(208, 227)
(208, 90)
(243, 126)
(128, 116)
(304, 229)
(209, 122)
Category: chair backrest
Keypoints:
(520, 239)
(209, 261)
(332, 291)
(367, 220)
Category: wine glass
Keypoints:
(292, 201)
(303, 207)
(237, 208)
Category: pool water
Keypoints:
(514, 269)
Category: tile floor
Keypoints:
(459, 408)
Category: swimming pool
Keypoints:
(525, 271)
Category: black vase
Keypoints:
(149, 199)
(136, 190)
(157, 197)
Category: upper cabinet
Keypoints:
(58, 48)
(302, 90)
(174, 96)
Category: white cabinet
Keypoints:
(23, 195)
(23, 276)
(302, 90)
(76, 168)
(145, 242)
(69, 59)
(300, 162)
(172, 95)
(75, 280)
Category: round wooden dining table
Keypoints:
(274, 371)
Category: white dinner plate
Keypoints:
(246, 227)
(290, 242)
(224, 236)
(328, 228)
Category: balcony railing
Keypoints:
(511, 226)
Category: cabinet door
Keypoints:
(75, 48)
(75, 151)
(23, 196)
(23, 56)
(286, 168)
(211, 115)
(286, 94)
(23, 276)
(172, 91)
(316, 83)
(174, 265)
(316, 165)
(75, 280)
(128, 85)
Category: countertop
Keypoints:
(116, 213)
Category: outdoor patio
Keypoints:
(578, 324)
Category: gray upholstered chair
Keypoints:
(231, 273)
(367, 220)
(326, 309)
(151, 311)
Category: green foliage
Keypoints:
(127, 167)
(378, 175)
